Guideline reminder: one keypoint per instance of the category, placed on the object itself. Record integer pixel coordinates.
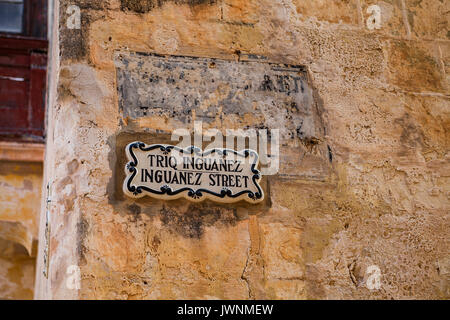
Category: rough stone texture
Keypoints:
(20, 195)
(429, 19)
(373, 190)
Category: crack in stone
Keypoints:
(243, 276)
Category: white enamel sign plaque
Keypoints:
(168, 172)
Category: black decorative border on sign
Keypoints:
(194, 194)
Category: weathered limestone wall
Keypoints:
(372, 187)
(20, 196)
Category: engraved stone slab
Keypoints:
(276, 96)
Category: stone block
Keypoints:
(281, 252)
(415, 66)
(429, 18)
(332, 11)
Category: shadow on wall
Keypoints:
(17, 271)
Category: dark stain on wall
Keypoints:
(74, 42)
(191, 223)
(143, 6)
(82, 230)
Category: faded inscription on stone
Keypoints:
(277, 96)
